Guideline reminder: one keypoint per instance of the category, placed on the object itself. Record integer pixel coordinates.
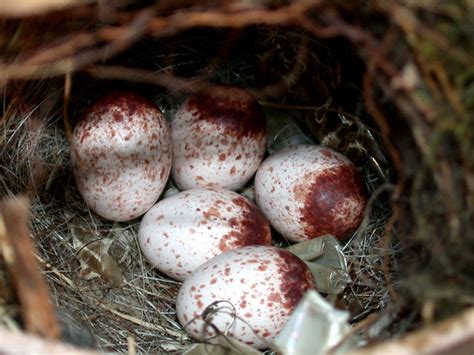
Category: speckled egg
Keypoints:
(308, 191)
(183, 231)
(219, 138)
(121, 155)
(247, 293)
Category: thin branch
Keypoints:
(18, 252)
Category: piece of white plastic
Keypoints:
(315, 327)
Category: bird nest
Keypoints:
(388, 84)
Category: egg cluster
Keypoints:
(210, 237)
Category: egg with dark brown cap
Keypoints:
(121, 155)
(183, 231)
(219, 137)
(308, 191)
(247, 293)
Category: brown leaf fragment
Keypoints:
(94, 257)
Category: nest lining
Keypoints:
(36, 159)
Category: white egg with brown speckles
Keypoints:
(308, 191)
(219, 138)
(121, 155)
(183, 231)
(247, 293)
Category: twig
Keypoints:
(60, 59)
(336, 27)
(283, 16)
(289, 79)
(412, 26)
(377, 114)
(67, 96)
(387, 238)
(452, 336)
(141, 322)
(165, 79)
(18, 251)
(132, 345)
(15, 8)
(178, 84)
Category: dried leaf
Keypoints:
(326, 260)
(329, 280)
(93, 256)
(283, 130)
(248, 192)
(309, 249)
(170, 189)
(348, 135)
